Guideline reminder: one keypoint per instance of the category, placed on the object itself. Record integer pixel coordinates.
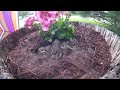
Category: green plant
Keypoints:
(61, 30)
(52, 25)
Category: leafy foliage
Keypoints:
(61, 30)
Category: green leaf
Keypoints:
(50, 40)
(53, 33)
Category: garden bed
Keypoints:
(86, 56)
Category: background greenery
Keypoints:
(107, 19)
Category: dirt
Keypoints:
(86, 56)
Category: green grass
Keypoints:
(86, 20)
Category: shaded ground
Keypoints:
(85, 56)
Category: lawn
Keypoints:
(86, 20)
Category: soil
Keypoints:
(86, 56)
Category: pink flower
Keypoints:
(46, 18)
(45, 27)
(45, 21)
(29, 22)
(52, 21)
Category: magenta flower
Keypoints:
(29, 22)
(46, 18)
(45, 27)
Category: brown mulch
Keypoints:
(86, 56)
